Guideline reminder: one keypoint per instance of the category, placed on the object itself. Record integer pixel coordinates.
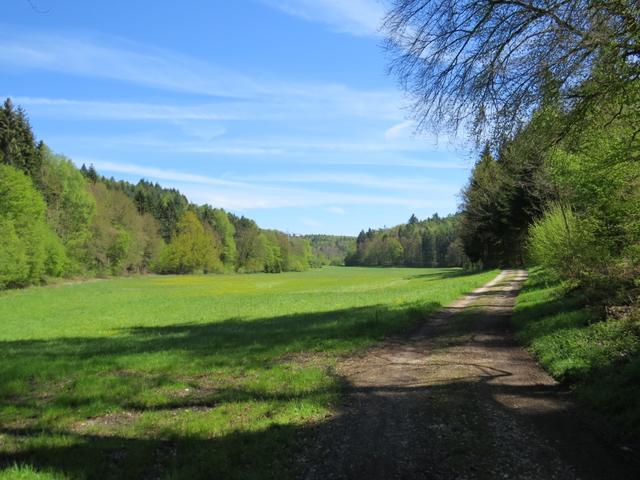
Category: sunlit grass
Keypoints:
(598, 357)
(187, 376)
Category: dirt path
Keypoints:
(459, 399)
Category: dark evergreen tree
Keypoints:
(18, 146)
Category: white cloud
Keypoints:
(305, 102)
(408, 153)
(126, 61)
(235, 195)
(229, 150)
(158, 174)
(233, 94)
(400, 130)
(260, 198)
(357, 17)
(127, 110)
(354, 179)
(336, 210)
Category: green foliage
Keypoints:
(27, 472)
(300, 254)
(102, 226)
(483, 207)
(122, 240)
(554, 241)
(222, 225)
(70, 205)
(224, 372)
(502, 198)
(29, 249)
(192, 249)
(598, 357)
(427, 243)
(14, 262)
(166, 205)
(597, 175)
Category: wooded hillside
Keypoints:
(58, 220)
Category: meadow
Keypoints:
(214, 376)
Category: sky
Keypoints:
(279, 110)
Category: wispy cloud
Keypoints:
(356, 17)
(400, 130)
(256, 198)
(245, 195)
(273, 151)
(117, 59)
(336, 210)
(311, 102)
(128, 110)
(352, 179)
(158, 174)
(233, 95)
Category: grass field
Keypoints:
(190, 376)
(598, 358)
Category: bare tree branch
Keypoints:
(488, 64)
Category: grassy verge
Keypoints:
(190, 376)
(598, 357)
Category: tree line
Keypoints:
(433, 242)
(59, 221)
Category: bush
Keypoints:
(552, 241)
(571, 248)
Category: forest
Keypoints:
(61, 221)
(433, 242)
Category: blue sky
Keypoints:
(281, 110)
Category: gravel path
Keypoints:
(459, 399)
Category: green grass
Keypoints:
(599, 358)
(190, 376)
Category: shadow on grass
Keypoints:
(444, 429)
(231, 342)
(439, 274)
(238, 455)
(48, 386)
